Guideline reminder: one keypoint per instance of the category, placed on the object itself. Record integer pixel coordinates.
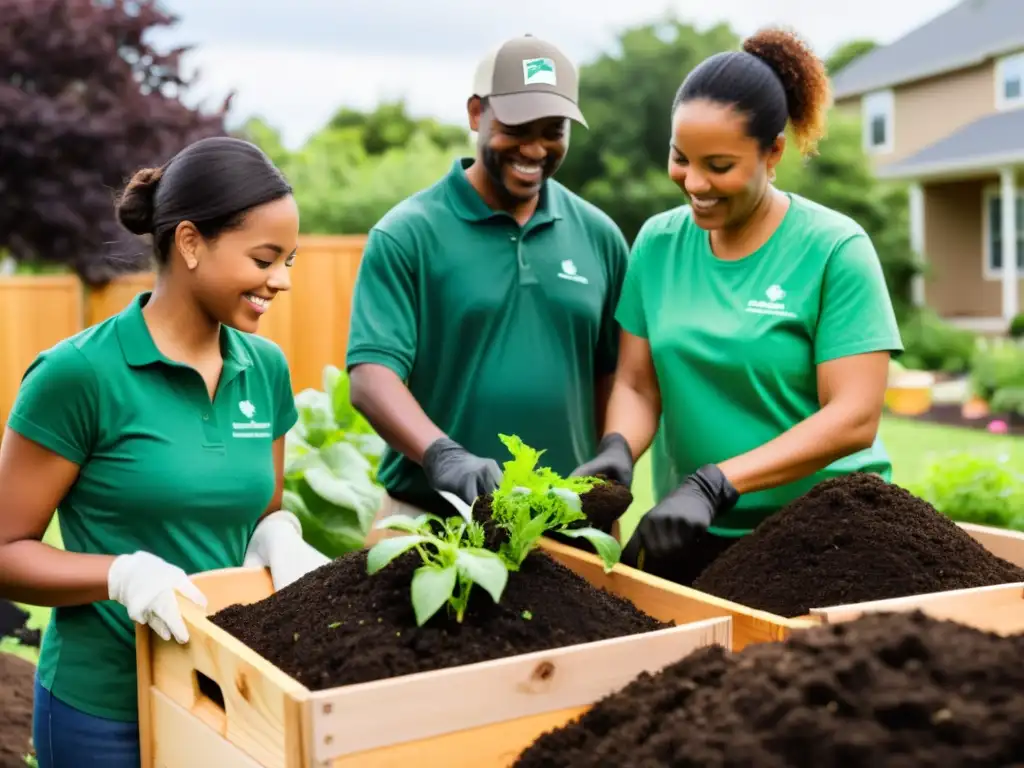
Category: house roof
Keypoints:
(986, 144)
(967, 34)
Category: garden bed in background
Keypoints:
(951, 415)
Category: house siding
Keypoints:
(929, 110)
(954, 285)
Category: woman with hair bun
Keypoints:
(158, 436)
(757, 326)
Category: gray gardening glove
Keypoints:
(614, 460)
(450, 467)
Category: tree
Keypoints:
(84, 102)
(845, 54)
(389, 127)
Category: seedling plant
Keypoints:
(530, 501)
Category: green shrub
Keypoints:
(1016, 330)
(974, 489)
(932, 344)
(998, 366)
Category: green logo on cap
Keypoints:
(539, 71)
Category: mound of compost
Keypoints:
(338, 625)
(847, 540)
(16, 681)
(603, 505)
(884, 691)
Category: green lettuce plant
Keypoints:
(331, 457)
(973, 488)
(533, 500)
(454, 560)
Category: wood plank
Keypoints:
(668, 601)
(180, 740)
(262, 712)
(1009, 545)
(998, 608)
(490, 746)
(351, 719)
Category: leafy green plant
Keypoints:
(454, 560)
(331, 456)
(930, 343)
(997, 364)
(533, 500)
(1016, 329)
(974, 489)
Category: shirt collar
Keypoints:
(467, 203)
(140, 350)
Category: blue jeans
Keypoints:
(65, 737)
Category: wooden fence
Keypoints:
(309, 322)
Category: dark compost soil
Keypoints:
(338, 626)
(16, 681)
(848, 540)
(884, 691)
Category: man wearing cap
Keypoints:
(484, 303)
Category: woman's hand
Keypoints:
(670, 526)
(277, 544)
(145, 585)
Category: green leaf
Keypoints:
(331, 530)
(399, 523)
(485, 568)
(608, 547)
(431, 588)
(386, 550)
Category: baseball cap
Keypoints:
(528, 79)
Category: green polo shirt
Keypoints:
(494, 327)
(163, 469)
(736, 344)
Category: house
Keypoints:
(942, 110)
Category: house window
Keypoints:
(1010, 81)
(994, 234)
(878, 121)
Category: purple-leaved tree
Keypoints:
(84, 101)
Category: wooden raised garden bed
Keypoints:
(215, 701)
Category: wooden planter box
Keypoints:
(998, 608)
(216, 702)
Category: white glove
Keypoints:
(145, 584)
(277, 544)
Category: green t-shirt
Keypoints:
(494, 327)
(736, 343)
(163, 469)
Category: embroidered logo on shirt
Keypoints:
(250, 428)
(569, 272)
(774, 306)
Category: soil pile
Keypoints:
(848, 540)
(884, 691)
(338, 626)
(16, 681)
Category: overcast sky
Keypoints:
(295, 62)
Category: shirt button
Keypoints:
(512, 238)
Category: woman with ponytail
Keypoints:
(757, 326)
(158, 436)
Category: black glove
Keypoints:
(450, 467)
(689, 509)
(614, 460)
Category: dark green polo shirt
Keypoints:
(494, 327)
(163, 469)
